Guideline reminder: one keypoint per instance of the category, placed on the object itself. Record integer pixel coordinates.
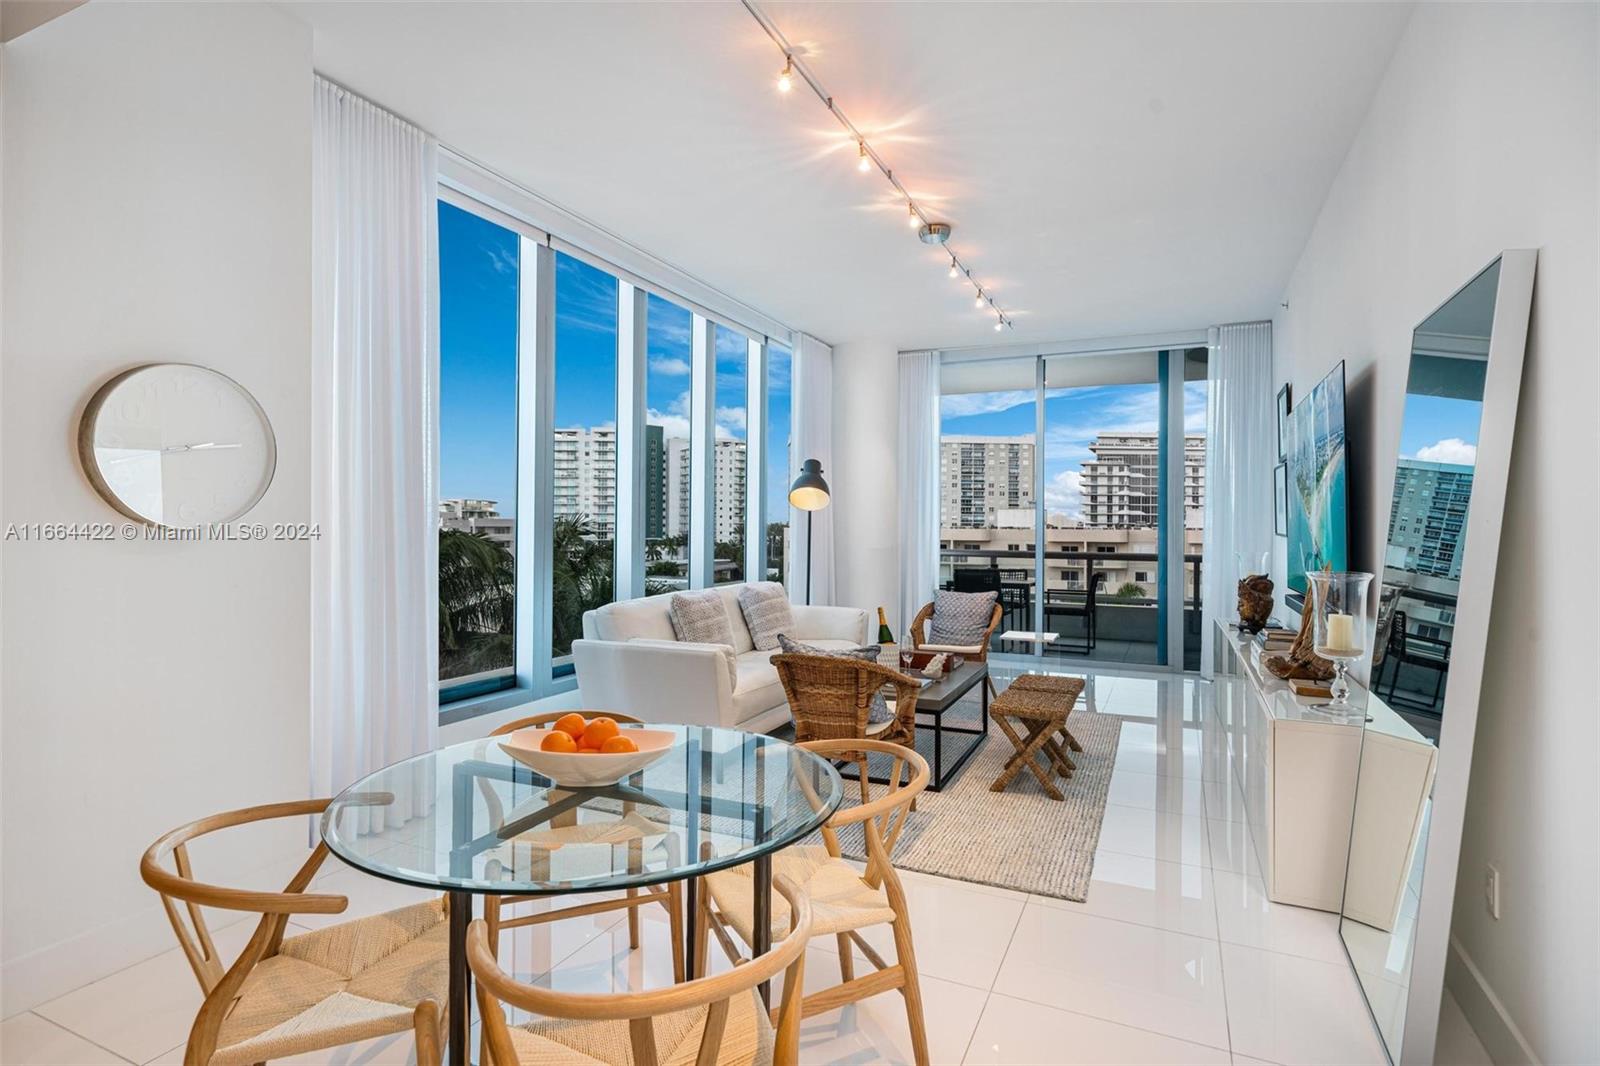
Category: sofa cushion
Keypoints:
(701, 618)
(960, 617)
(878, 710)
(765, 607)
(756, 687)
(629, 619)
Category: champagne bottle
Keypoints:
(885, 634)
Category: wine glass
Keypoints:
(1339, 627)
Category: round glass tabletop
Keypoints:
(471, 818)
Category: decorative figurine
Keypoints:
(1255, 602)
(1302, 663)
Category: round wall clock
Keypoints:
(173, 444)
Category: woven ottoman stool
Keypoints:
(1040, 705)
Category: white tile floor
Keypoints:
(1177, 957)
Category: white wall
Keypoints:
(866, 432)
(156, 207)
(1483, 137)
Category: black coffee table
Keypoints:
(937, 697)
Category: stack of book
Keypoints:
(1276, 641)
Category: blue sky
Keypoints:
(478, 345)
(1073, 418)
(1438, 429)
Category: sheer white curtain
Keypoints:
(1241, 451)
(374, 638)
(813, 439)
(919, 482)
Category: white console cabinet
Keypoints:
(1296, 767)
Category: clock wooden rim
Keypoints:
(91, 415)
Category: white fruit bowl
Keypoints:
(576, 769)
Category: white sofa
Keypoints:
(629, 660)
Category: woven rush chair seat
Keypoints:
(840, 899)
(1037, 695)
(348, 982)
(631, 827)
(747, 1038)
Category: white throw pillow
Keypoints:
(765, 607)
(700, 618)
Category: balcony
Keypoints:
(1123, 624)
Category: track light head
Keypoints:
(864, 164)
(786, 75)
(954, 272)
(977, 301)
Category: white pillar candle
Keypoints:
(1342, 633)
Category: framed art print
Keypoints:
(1280, 499)
(1283, 422)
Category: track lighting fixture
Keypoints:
(868, 160)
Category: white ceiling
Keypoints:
(1108, 168)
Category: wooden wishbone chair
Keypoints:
(843, 902)
(718, 1019)
(284, 996)
(631, 831)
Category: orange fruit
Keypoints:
(599, 731)
(588, 749)
(572, 724)
(558, 740)
(618, 744)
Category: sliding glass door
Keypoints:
(1073, 485)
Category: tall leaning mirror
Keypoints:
(1438, 569)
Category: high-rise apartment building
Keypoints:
(655, 483)
(585, 474)
(728, 487)
(1121, 484)
(1428, 518)
(979, 476)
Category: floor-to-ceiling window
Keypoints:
(1075, 511)
(731, 455)
(667, 450)
(780, 422)
(478, 283)
(583, 451)
(598, 438)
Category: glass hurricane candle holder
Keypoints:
(1339, 628)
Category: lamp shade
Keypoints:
(809, 491)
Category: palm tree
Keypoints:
(1130, 591)
(582, 577)
(477, 598)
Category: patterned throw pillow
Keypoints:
(700, 618)
(960, 618)
(766, 612)
(878, 711)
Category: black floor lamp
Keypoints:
(809, 493)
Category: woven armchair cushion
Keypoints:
(961, 617)
(700, 618)
(347, 982)
(747, 1038)
(766, 612)
(878, 712)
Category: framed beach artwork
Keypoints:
(1319, 522)
(1283, 424)
(1280, 499)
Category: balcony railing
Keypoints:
(1116, 624)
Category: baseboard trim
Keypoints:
(1484, 1010)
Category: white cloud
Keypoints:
(672, 425)
(963, 404)
(669, 365)
(1064, 493)
(1450, 450)
(732, 417)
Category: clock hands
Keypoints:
(209, 445)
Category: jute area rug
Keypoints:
(1019, 839)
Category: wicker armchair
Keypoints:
(830, 696)
(976, 653)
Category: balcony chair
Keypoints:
(979, 652)
(831, 695)
(843, 901)
(1408, 649)
(719, 1019)
(1058, 603)
(282, 996)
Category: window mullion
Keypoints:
(631, 488)
(535, 463)
(755, 458)
(702, 449)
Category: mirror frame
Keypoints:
(1508, 338)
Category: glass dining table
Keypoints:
(453, 820)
